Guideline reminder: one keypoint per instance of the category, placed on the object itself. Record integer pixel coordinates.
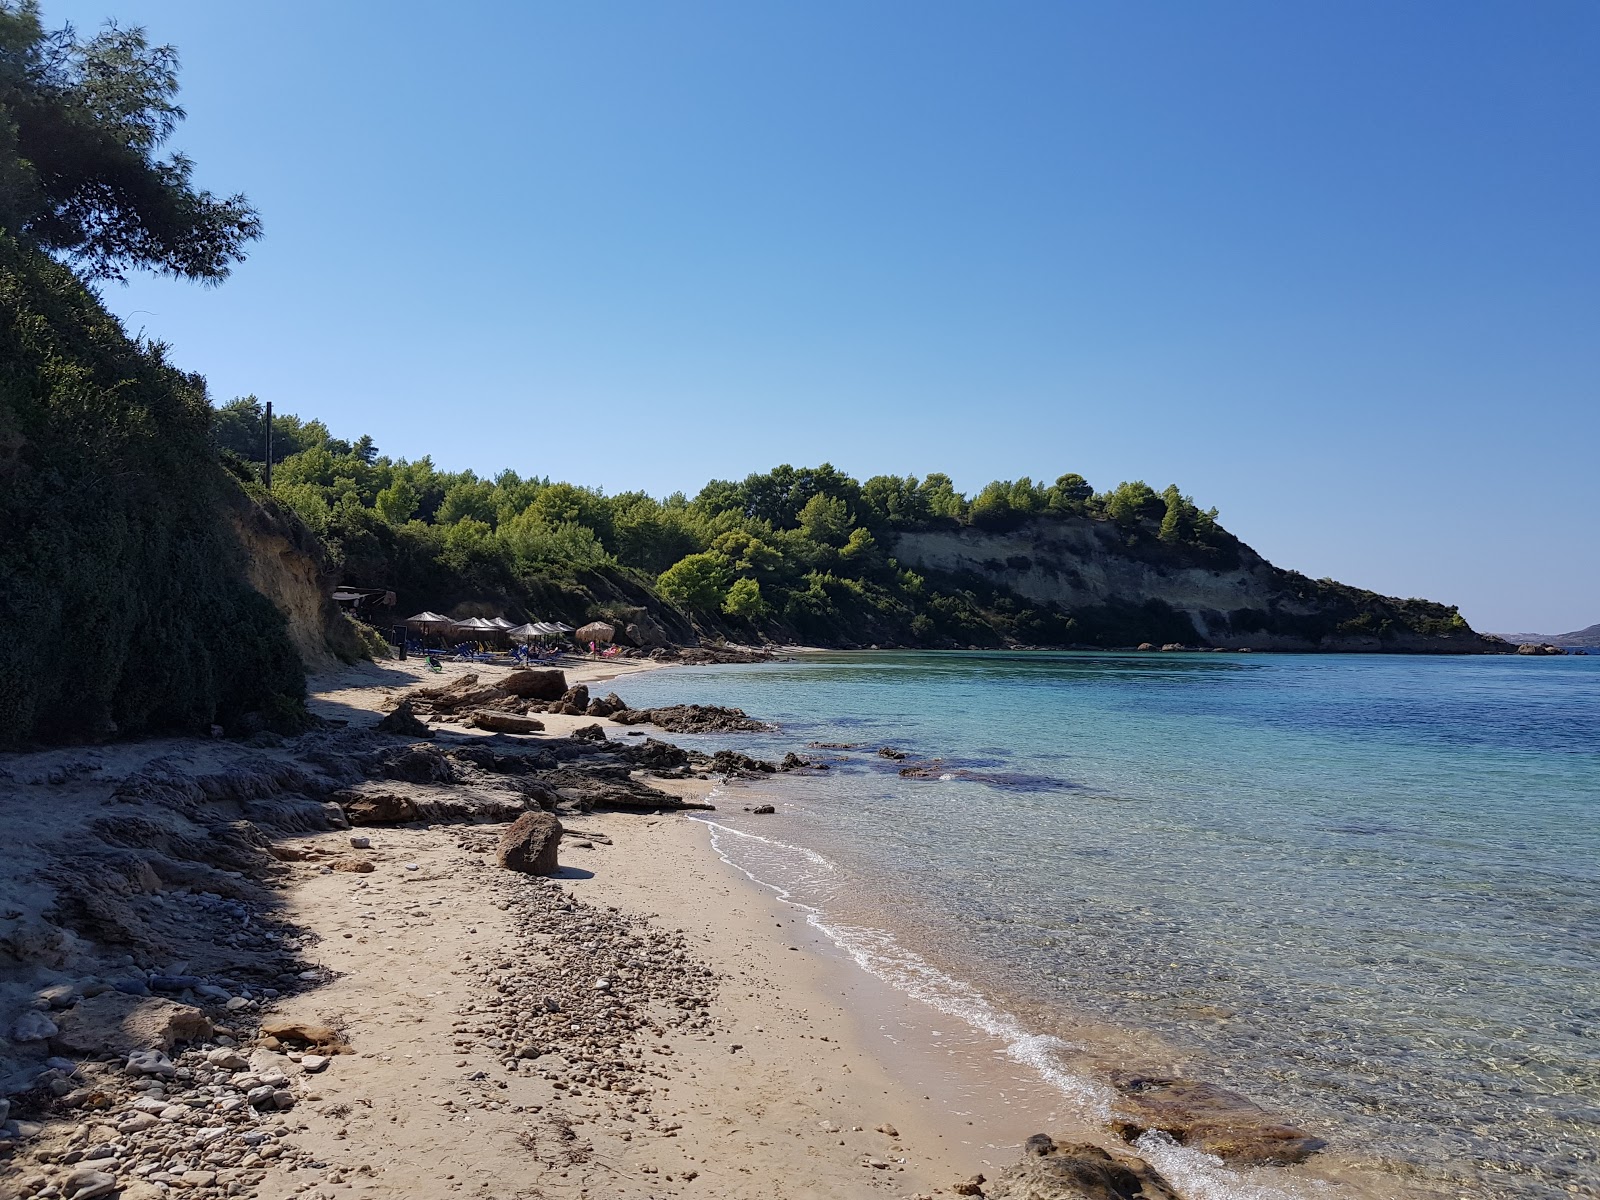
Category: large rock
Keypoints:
(692, 718)
(536, 684)
(530, 844)
(126, 1024)
(1205, 1117)
(404, 721)
(385, 802)
(608, 705)
(504, 722)
(1077, 1172)
(573, 701)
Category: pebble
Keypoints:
(314, 1062)
(151, 1062)
(361, 843)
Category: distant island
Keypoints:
(1579, 639)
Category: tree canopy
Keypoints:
(82, 122)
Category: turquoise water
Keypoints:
(1361, 889)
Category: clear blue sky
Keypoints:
(1334, 268)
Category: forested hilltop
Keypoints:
(812, 555)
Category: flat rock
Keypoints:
(390, 802)
(505, 722)
(122, 1024)
(1205, 1117)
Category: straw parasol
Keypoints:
(425, 621)
(595, 631)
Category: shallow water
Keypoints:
(1361, 889)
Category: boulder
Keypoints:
(575, 697)
(657, 755)
(1077, 1172)
(535, 684)
(370, 805)
(1539, 648)
(588, 733)
(504, 722)
(530, 844)
(1205, 1117)
(122, 1024)
(890, 752)
(731, 762)
(608, 705)
(403, 720)
(645, 632)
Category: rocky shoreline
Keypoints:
(177, 1015)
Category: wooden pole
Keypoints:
(267, 473)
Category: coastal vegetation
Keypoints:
(124, 598)
(795, 553)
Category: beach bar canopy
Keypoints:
(595, 631)
(426, 620)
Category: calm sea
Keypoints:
(1361, 889)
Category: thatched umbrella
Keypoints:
(595, 631)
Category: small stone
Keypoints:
(969, 1187)
(151, 1062)
(282, 1100)
(602, 985)
(260, 1097)
(888, 1130)
(313, 1062)
(236, 1003)
(361, 843)
(228, 1059)
(199, 1178)
(139, 1122)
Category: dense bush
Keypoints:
(123, 596)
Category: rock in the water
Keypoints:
(693, 718)
(1077, 1172)
(403, 720)
(530, 844)
(535, 684)
(658, 755)
(1208, 1118)
(763, 810)
(122, 1024)
(504, 722)
(891, 753)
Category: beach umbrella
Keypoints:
(475, 625)
(559, 627)
(501, 623)
(425, 620)
(595, 631)
(523, 632)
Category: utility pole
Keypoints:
(267, 473)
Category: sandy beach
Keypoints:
(727, 1053)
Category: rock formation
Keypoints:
(530, 844)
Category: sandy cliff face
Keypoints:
(284, 564)
(1233, 599)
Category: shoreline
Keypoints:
(758, 1028)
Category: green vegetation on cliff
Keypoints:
(793, 553)
(123, 596)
